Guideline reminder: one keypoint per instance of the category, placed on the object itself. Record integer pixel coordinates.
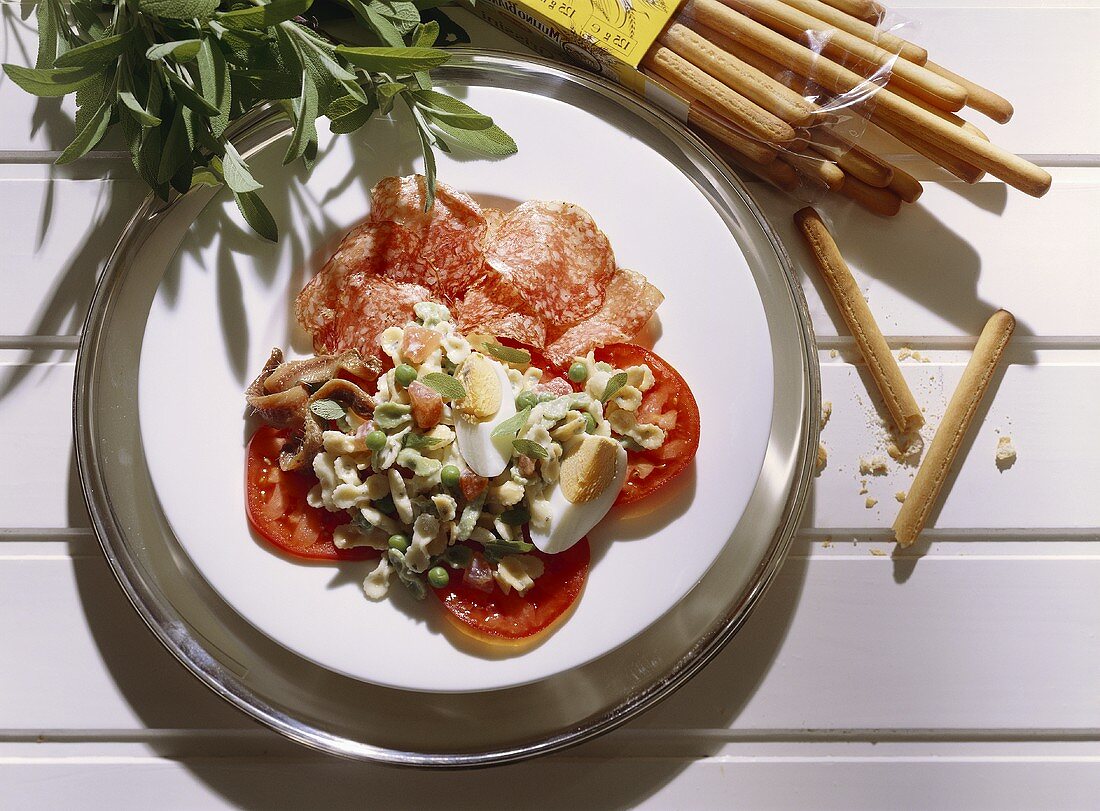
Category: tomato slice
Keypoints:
(669, 404)
(510, 618)
(277, 506)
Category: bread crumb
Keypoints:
(906, 448)
(826, 413)
(900, 496)
(863, 487)
(1006, 453)
(827, 542)
(870, 502)
(875, 466)
(905, 353)
(822, 457)
(833, 353)
(878, 553)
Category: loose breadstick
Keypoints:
(703, 118)
(977, 97)
(882, 202)
(745, 114)
(941, 453)
(864, 30)
(736, 74)
(1010, 168)
(905, 186)
(884, 368)
(855, 162)
(845, 48)
(815, 168)
(866, 10)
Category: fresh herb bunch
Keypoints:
(174, 74)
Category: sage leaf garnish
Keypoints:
(448, 387)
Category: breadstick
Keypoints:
(845, 48)
(864, 30)
(952, 428)
(1012, 169)
(977, 97)
(739, 110)
(882, 202)
(867, 10)
(855, 161)
(905, 186)
(817, 169)
(946, 116)
(777, 173)
(884, 368)
(703, 118)
(966, 172)
(736, 74)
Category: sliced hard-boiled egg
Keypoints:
(488, 403)
(592, 474)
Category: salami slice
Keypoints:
(364, 306)
(450, 235)
(498, 309)
(556, 257)
(367, 285)
(629, 302)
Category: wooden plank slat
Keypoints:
(57, 234)
(1047, 120)
(763, 777)
(943, 265)
(1036, 403)
(39, 480)
(853, 641)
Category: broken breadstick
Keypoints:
(945, 444)
(884, 368)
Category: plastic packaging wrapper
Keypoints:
(788, 91)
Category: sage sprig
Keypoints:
(173, 75)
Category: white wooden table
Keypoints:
(962, 674)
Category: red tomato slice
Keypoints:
(277, 507)
(669, 404)
(509, 618)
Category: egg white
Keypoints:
(487, 455)
(570, 522)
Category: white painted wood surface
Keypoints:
(960, 674)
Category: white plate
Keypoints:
(225, 302)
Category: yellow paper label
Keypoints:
(623, 29)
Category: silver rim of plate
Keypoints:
(342, 716)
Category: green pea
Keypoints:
(399, 542)
(450, 476)
(589, 424)
(405, 374)
(578, 372)
(384, 504)
(526, 399)
(438, 577)
(376, 440)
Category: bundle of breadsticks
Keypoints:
(778, 85)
